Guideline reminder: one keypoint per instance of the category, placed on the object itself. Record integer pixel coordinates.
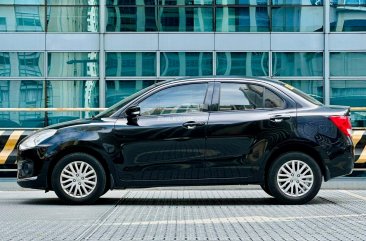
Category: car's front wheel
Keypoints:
(294, 178)
(78, 178)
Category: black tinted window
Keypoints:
(235, 96)
(175, 100)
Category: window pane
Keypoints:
(72, 93)
(73, 64)
(350, 93)
(314, 88)
(348, 2)
(240, 97)
(22, 2)
(248, 64)
(131, 2)
(73, 19)
(21, 94)
(186, 19)
(72, 2)
(297, 2)
(297, 19)
(242, 19)
(118, 90)
(19, 64)
(347, 18)
(185, 64)
(175, 100)
(130, 64)
(243, 2)
(134, 19)
(22, 19)
(56, 117)
(297, 64)
(347, 64)
(186, 2)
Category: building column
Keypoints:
(326, 52)
(102, 81)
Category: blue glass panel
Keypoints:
(22, 19)
(185, 64)
(314, 88)
(297, 64)
(347, 18)
(117, 90)
(242, 2)
(242, 19)
(73, 2)
(347, 64)
(297, 2)
(130, 64)
(72, 19)
(131, 19)
(186, 19)
(297, 19)
(73, 64)
(20, 64)
(350, 93)
(241, 63)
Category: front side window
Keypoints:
(235, 96)
(175, 100)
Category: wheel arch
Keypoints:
(80, 149)
(297, 147)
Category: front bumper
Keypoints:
(32, 169)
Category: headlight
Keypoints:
(36, 138)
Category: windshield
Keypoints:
(114, 108)
(302, 94)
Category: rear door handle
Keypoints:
(279, 118)
(193, 124)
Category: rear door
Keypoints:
(250, 118)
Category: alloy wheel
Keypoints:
(78, 179)
(295, 178)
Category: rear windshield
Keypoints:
(302, 94)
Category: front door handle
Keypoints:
(279, 118)
(193, 124)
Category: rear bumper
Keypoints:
(341, 164)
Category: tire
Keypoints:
(78, 178)
(266, 189)
(294, 178)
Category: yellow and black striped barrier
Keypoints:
(10, 138)
(359, 141)
(8, 143)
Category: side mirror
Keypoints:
(133, 111)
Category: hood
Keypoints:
(78, 122)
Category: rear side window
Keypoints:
(237, 96)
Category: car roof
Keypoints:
(219, 78)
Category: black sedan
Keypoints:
(202, 131)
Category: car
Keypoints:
(195, 131)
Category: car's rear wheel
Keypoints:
(294, 178)
(78, 178)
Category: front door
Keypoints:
(167, 141)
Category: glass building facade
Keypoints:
(93, 53)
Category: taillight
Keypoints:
(343, 123)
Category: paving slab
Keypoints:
(183, 214)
